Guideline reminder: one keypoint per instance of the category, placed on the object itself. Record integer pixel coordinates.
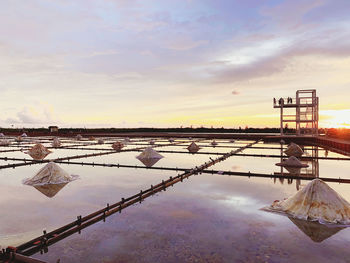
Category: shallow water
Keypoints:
(207, 218)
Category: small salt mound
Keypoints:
(2, 135)
(51, 173)
(38, 152)
(149, 157)
(79, 137)
(127, 139)
(151, 142)
(171, 140)
(19, 139)
(214, 143)
(193, 148)
(292, 162)
(24, 135)
(56, 142)
(100, 141)
(4, 142)
(315, 202)
(294, 150)
(117, 146)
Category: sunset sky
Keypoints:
(167, 63)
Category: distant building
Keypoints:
(53, 129)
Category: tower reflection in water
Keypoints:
(310, 158)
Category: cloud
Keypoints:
(181, 43)
(39, 114)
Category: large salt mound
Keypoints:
(315, 202)
(38, 152)
(294, 150)
(50, 174)
(149, 157)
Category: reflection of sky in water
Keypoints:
(208, 218)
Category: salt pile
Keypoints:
(100, 141)
(149, 157)
(117, 146)
(51, 173)
(38, 152)
(214, 143)
(294, 150)
(79, 137)
(4, 142)
(56, 142)
(292, 162)
(50, 179)
(315, 202)
(193, 148)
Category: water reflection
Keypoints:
(50, 190)
(312, 171)
(316, 231)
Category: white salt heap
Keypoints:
(56, 142)
(24, 135)
(315, 202)
(79, 137)
(38, 152)
(151, 142)
(294, 150)
(117, 146)
(193, 148)
(149, 157)
(51, 173)
(2, 135)
(4, 142)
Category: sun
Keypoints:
(335, 118)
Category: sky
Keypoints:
(170, 63)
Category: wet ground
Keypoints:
(206, 218)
